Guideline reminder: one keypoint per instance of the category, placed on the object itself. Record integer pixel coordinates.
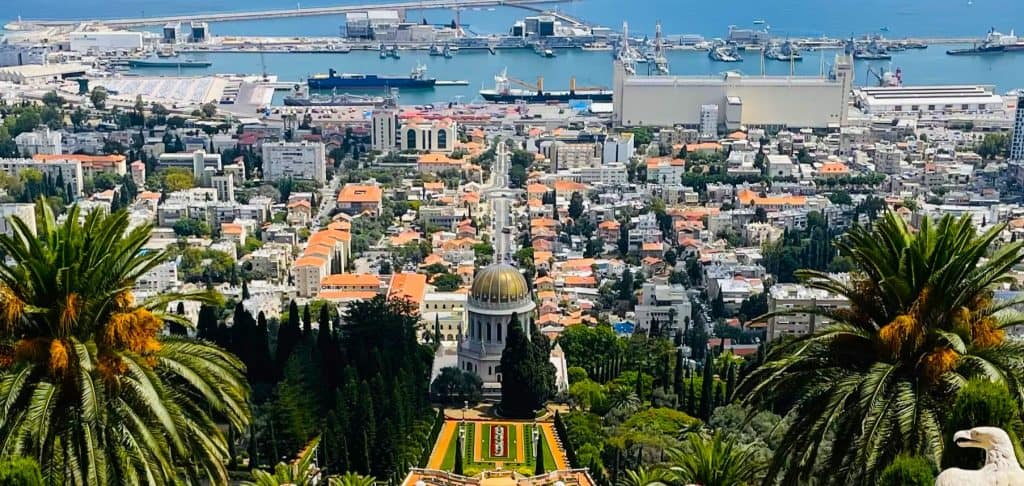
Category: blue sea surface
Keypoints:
(798, 18)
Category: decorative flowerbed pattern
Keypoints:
(499, 441)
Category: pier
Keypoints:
(295, 12)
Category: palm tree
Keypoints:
(88, 385)
(644, 477)
(877, 381)
(300, 472)
(352, 479)
(715, 461)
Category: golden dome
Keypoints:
(500, 283)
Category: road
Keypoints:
(267, 14)
(501, 205)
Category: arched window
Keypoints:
(442, 139)
(410, 139)
(500, 325)
(488, 331)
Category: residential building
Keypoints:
(26, 212)
(42, 140)
(790, 296)
(668, 304)
(92, 165)
(384, 133)
(139, 173)
(196, 161)
(565, 155)
(618, 148)
(665, 170)
(1017, 144)
(708, 121)
(68, 172)
(359, 198)
(296, 160)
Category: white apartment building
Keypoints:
(618, 148)
(385, 129)
(614, 174)
(566, 155)
(669, 304)
(1017, 144)
(197, 161)
(789, 296)
(160, 278)
(296, 160)
(224, 184)
(26, 212)
(70, 171)
(708, 121)
(42, 140)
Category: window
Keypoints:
(410, 139)
(965, 107)
(499, 331)
(488, 331)
(442, 144)
(931, 107)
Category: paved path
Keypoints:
(478, 456)
(521, 443)
(447, 434)
(561, 462)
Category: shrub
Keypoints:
(908, 471)
(980, 403)
(20, 471)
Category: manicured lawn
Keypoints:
(522, 465)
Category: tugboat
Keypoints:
(787, 51)
(543, 50)
(724, 53)
(994, 43)
(436, 51)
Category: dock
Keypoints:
(25, 24)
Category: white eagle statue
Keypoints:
(1001, 467)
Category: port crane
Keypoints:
(504, 79)
(887, 78)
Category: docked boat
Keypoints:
(503, 92)
(873, 51)
(543, 51)
(386, 52)
(146, 63)
(436, 51)
(344, 99)
(166, 51)
(787, 51)
(596, 46)
(724, 53)
(333, 80)
(994, 43)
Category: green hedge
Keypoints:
(20, 471)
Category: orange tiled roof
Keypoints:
(360, 193)
(231, 228)
(408, 286)
(346, 294)
(350, 280)
(85, 159)
(310, 261)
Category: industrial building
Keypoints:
(742, 101)
(928, 100)
(108, 41)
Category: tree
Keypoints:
(644, 477)
(626, 286)
(20, 471)
(209, 110)
(288, 336)
(706, 392)
(191, 227)
(979, 403)
(79, 347)
(993, 145)
(447, 282)
(922, 322)
(576, 206)
(539, 460)
(455, 386)
(98, 97)
(908, 471)
(458, 455)
(53, 99)
(351, 479)
(300, 472)
(526, 384)
(715, 461)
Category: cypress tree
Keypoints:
(206, 327)
(245, 290)
(307, 322)
(677, 376)
(691, 401)
(719, 396)
(263, 361)
(437, 329)
(528, 376)
(706, 389)
(288, 336)
(640, 386)
(458, 454)
(539, 462)
(730, 382)
(655, 330)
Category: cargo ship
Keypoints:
(504, 93)
(143, 63)
(994, 43)
(333, 80)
